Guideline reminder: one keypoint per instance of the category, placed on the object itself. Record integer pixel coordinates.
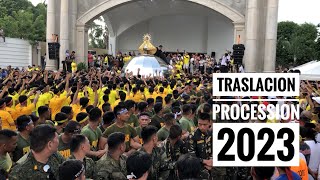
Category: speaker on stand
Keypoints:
(238, 53)
(54, 49)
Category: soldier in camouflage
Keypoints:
(72, 169)
(159, 169)
(200, 144)
(79, 147)
(43, 161)
(174, 148)
(112, 166)
(138, 165)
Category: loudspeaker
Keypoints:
(238, 59)
(53, 49)
(239, 47)
(238, 53)
(213, 54)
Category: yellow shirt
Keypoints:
(90, 94)
(67, 101)
(12, 112)
(179, 67)
(112, 97)
(114, 104)
(56, 104)
(76, 110)
(74, 67)
(43, 100)
(15, 98)
(153, 95)
(186, 59)
(106, 60)
(178, 76)
(24, 110)
(7, 120)
(170, 91)
(136, 97)
(163, 95)
(100, 95)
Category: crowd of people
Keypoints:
(97, 124)
(181, 61)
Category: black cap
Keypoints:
(108, 118)
(71, 169)
(160, 46)
(304, 118)
(72, 127)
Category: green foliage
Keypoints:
(317, 48)
(82, 66)
(98, 35)
(20, 19)
(296, 44)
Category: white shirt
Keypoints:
(201, 62)
(191, 60)
(314, 156)
(224, 60)
(241, 69)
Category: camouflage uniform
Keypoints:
(200, 144)
(109, 169)
(89, 165)
(243, 173)
(173, 153)
(159, 169)
(156, 121)
(29, 169)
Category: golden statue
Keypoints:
(146, 47)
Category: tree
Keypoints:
(304, 43)
(317, 48)
(98, 35)
(16, 5)
(20, 19)
(296, 43)
(285, 35)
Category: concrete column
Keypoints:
(271, 36)
(206, 36)
(73, 21)
(38, 47)
(64, 30)
(112, 45)
(51, 19)
(239, 28)
(250, 57)
(82, 44)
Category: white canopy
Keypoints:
(309, 71)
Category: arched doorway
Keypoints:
(82, 46)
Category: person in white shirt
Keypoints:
(241, 69)
(314, 161)
(201, 65)
(224, 63)
(192, 63)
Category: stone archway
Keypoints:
(254, 20)
(236, 17)
(215, 5)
